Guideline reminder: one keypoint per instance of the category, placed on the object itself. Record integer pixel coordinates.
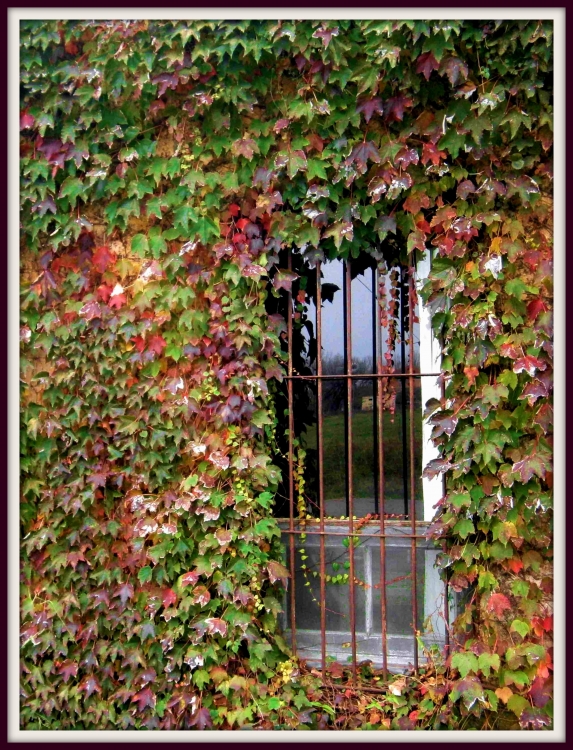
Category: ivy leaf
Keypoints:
(72, 188)
(246, 147)
(369, 106)
(207, 228)
(488, 661)
(201, 719)
(341, 230)
(68, 669)
(283, 279)
(360, 155)
(426, 63)
(144, 575)
(464, 189)
(453, 67)
(465, 662)
(325, 34)
(277, 572)
(89, 685)
(498, 604)
(145, 699)
(464, 527)
(529, 364)
(521, 627)
(102, 258)
(394, 107)
(532, 465)
(125, 592)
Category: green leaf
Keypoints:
(139, 245)
(516, 288)
(465, 663)
(261, 417)
(207, 229)
(488, 661)
(521, 627)
(464, 527)
(144, 575)
(518, 704)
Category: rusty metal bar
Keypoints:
(413, 559)
(375, 386)
(360, 533)
(291, 467)
(374, 376)
(403, 385)
(381, 482)
(320, 448)
(347, 286)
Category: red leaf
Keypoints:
(189, 579)
(89, 685)
(405, 157)
(169, 597)
(325, 34)
(277, 572)
(529, 364)
(157, 344)
(220, 460)
(316, 142)
(515, 564)
(68, 669)
(361, 154)
(431, 153)
(540, 692)
(216, 625)
(103, 292)
(201, 719)
(144, 698)
(283, 279)
(535, 307)
(125, 592)
(453, 67)
(117, 300)
(242, 223)
(139, 343)
(90, 310)
(497, 604)
(281, 125)
(426, 63)
(26, 120)
(369, 106)
(102, 258)
(465, 188)
(395, 106)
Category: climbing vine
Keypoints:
(166, 166)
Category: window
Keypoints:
(362, 361)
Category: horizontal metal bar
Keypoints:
(369, 376)
(356, 533)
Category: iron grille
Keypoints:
(386, 533)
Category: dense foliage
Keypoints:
(165, 165)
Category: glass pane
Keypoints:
(332, 318)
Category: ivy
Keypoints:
(165, 166)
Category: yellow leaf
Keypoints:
(495, 246)
(504, 694)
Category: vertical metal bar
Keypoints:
(375, 387)
(413, 559)
(291, 468)
(381, 488)
(403, 385)
(320, 446)
(349, 488)
(446, 586)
